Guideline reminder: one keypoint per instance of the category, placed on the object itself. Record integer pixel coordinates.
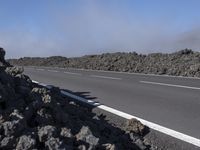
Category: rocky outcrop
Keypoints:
(3, 63)
(33, 117)
(181, 63)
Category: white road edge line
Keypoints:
(73, 73)
(105, 77)
(171, 85)
(170, 132)
(52, 70)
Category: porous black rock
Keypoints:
(86, 135)
(26, 142)
(3, 63)
(34, 117)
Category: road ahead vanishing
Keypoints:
(172, 102)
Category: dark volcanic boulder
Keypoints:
(2, 54)
(3, 63)
(86, 135)
(26, 142)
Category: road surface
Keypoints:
(172, 102)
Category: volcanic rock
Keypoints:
(34, 117)
(181, 63)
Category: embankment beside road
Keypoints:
(182, 63)
(34, 117)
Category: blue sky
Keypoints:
(81, 27)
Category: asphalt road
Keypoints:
(172, 102)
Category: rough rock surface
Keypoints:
(33, 117)
(182, 63)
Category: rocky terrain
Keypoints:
(182, 63)
(33, 117)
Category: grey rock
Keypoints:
(86, 135)
(7, 142)
(55, 144)
(13, 127)
(82, 147)
(46, 98)
(44, 116)
(140, 144)
(26, 142)
(46, 132)
(14, 70)
(109, 146)
(133, 125)
(1, 121)
(65, 132)
(134, 137)
(16, 115)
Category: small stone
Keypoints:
(86, 135)
(26, 142)
(140, 144)
(133, 125)
(46, 132)
(7, 142)
(109, 146)
(46, 98)
(16, 115)
(14, 70)
(12, 127)
(66, 132)
(54, 144)
(82, 147)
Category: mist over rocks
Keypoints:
(33, 117)
(181, 63)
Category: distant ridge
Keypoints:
(181, 63)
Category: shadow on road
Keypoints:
(86, 124)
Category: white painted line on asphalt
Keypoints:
(52, 70)
(154, 126)
(170, 132)
(73, 73)
(105, 77)
(171, 85)
(134, 73)
(40, 69)
(130, 73)
(35, 81)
